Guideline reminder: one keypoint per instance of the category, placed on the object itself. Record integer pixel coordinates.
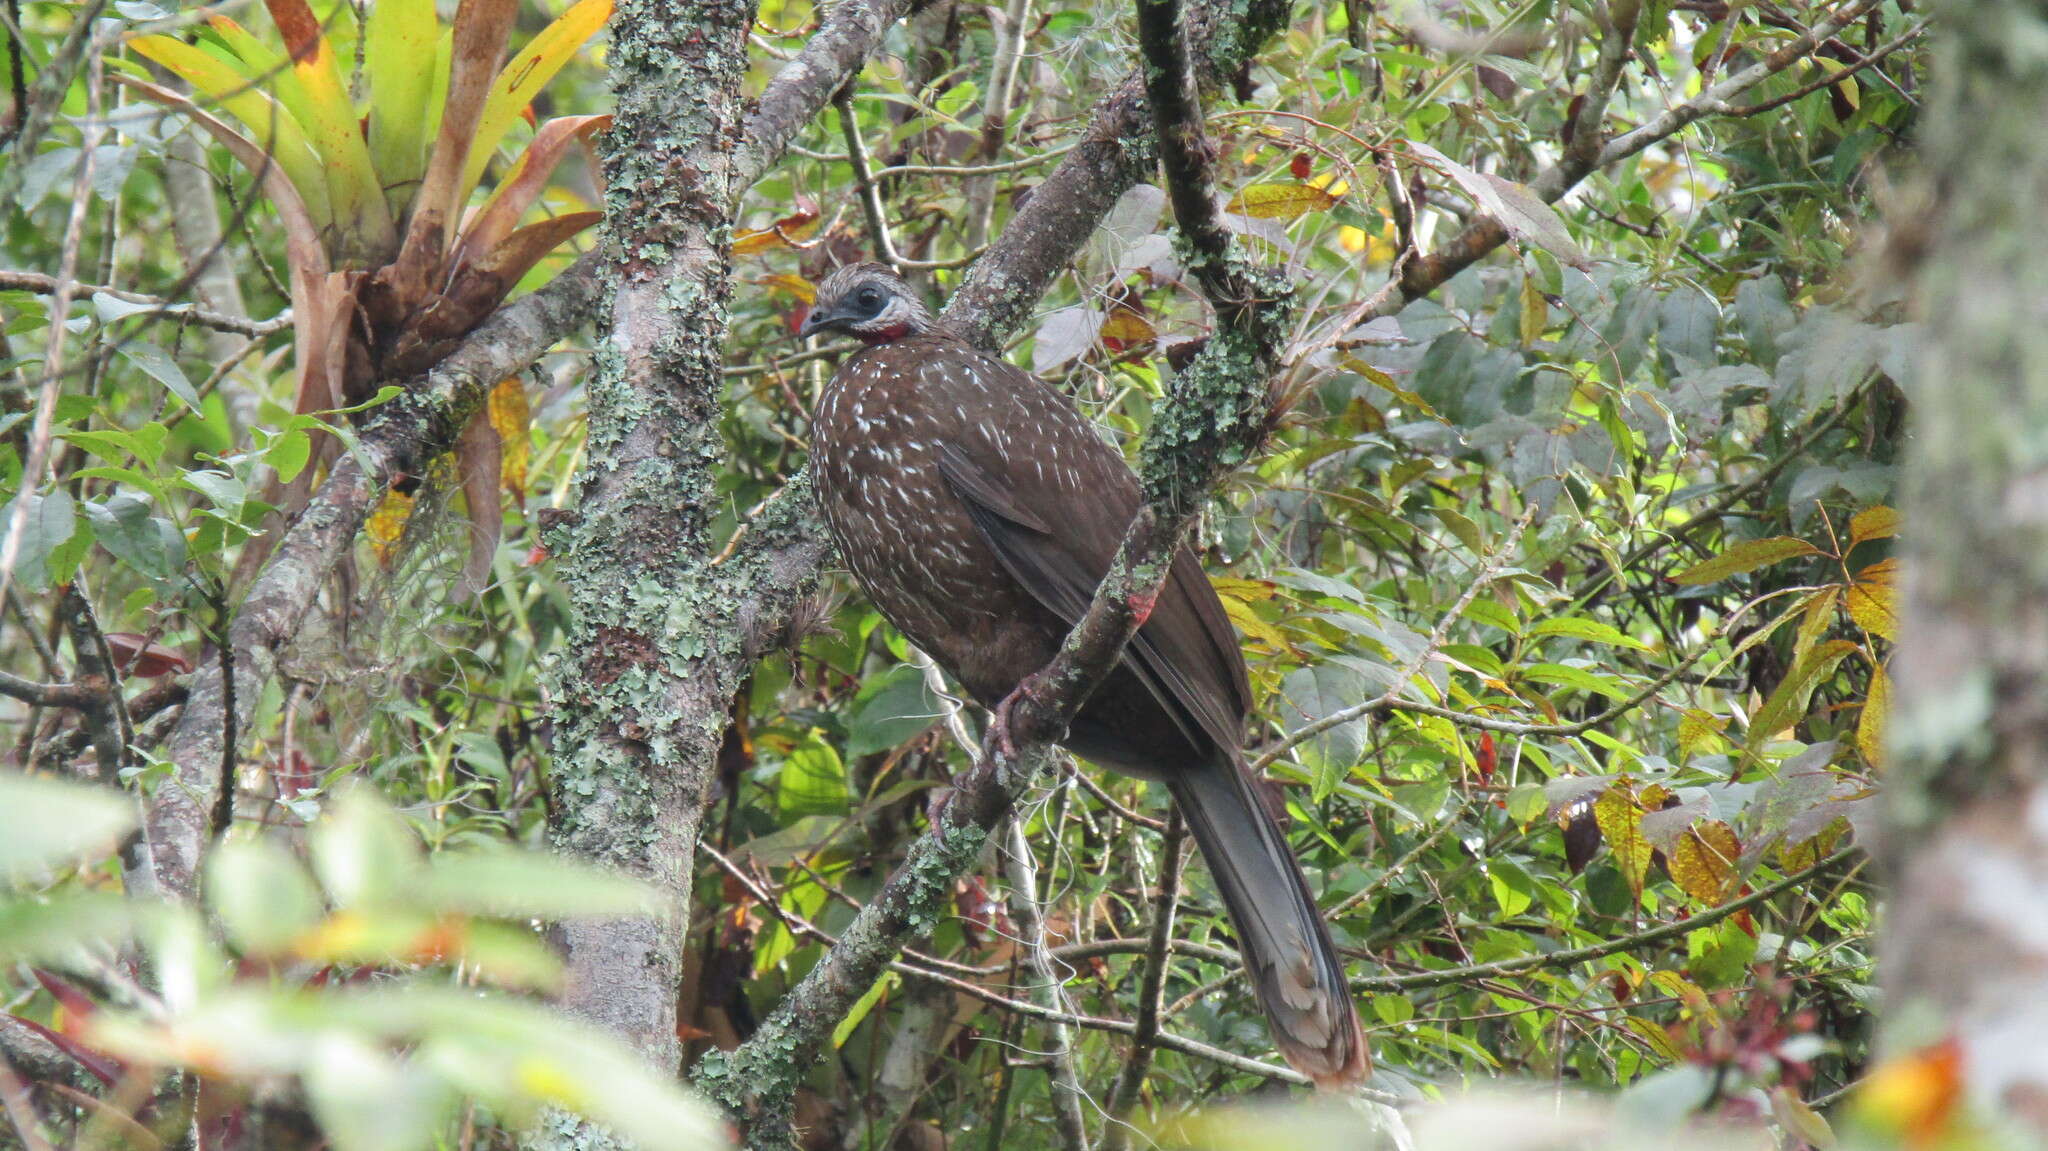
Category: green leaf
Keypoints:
(261, 894)
(888, 982)
(890, 709)
(44, 822)
(525, 884)
(1787, 703)
(1575, 677)
(364, 853)
(149, 544)
(1748, 556)
(159, 366)
(288, 454)
(1591, 630)
(812, 781)
(50, 522)
(398, 63)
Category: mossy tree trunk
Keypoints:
(1967, 950)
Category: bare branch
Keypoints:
(160, 308)
(1145, 1035)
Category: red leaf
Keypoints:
(104, 1068)
(69, 996)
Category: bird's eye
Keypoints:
(869, 298)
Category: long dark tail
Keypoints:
(1287, 950)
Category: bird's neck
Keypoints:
(888, 335)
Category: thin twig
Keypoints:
(1600, 950)
(159, 308)
(1830, 79)
(1029, 916)
(1489, 570)
(1151, 989)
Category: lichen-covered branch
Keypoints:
(838, 49)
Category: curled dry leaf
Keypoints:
(141, 658)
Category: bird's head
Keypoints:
(870, 303)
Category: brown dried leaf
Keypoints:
(479, 456)
(145, 659)
(518, 191)
(1124, 327)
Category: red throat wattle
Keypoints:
(888, 335)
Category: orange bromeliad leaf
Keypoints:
(523, 76)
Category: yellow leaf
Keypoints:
(386, 525)
(1698, 729)
(1126, 325)
(1535, 312)
(522, 78)
(1703, 863)
(510, 416)
(795, 285)
(1916, 1094)
(749, 242)
(1280, 201)
(1327, 182)
(1248, 590)
(1876, 710)
(272, 127)
(1658, 1039)
(1878, 523)
(1621, 825)
(1254, 628)
(1872, 600)
(1352, 239)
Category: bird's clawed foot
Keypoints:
(1000, 739)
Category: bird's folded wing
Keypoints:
(1062, 576)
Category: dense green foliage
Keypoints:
(1592, 541)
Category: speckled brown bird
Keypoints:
(978, 509)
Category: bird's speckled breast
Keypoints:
(900, 527)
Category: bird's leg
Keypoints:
(999, 737)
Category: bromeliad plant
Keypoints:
(390, 264)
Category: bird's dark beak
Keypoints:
(817, 321)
